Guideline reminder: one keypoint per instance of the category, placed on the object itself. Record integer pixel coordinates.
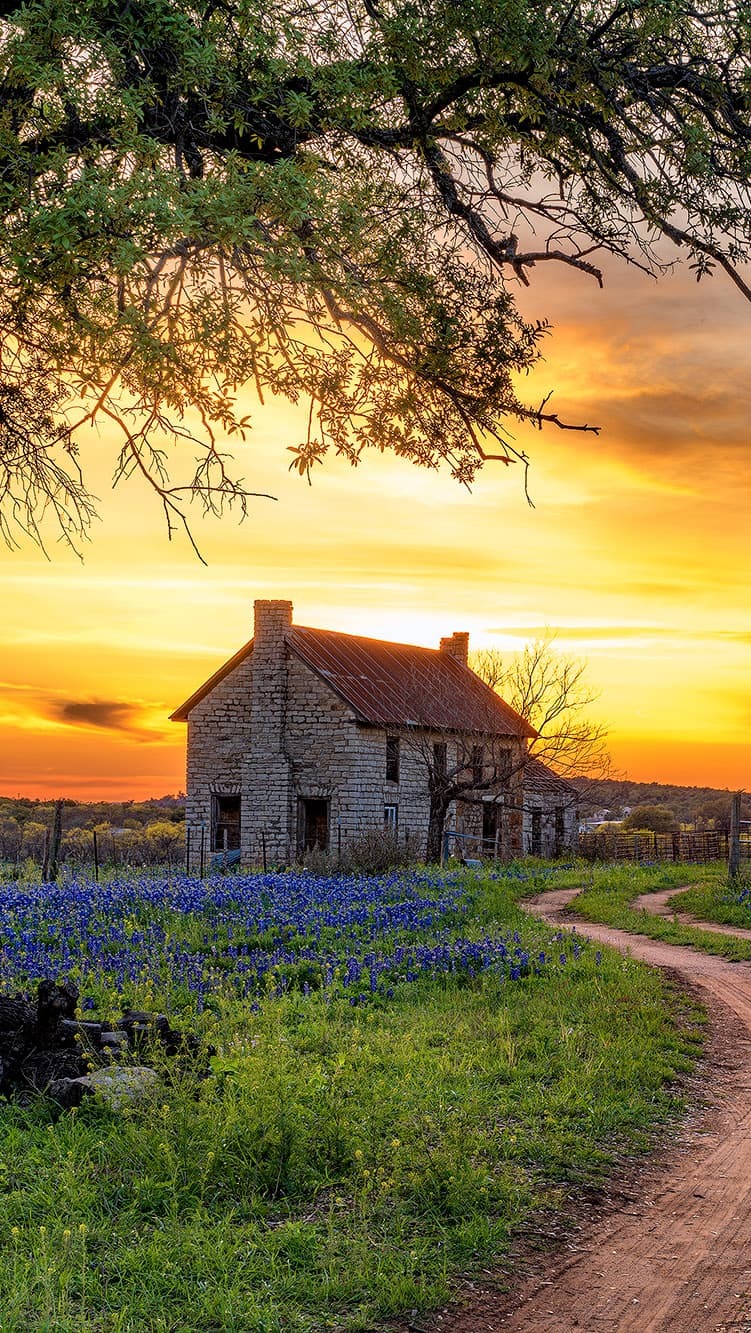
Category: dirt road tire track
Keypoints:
(677, 1258)
(659, 904)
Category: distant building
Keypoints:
(310, 738)
(550, 811)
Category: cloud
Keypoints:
(112, 714)
(26, 706)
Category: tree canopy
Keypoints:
(334, 201)
(654, 818)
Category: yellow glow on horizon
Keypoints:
(636, 554)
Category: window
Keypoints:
(440, 759)
(478, 763)
(392, 758)
(390, 818)
(504, 765)
(225, 823)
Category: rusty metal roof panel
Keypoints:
(540, 779)
(398, 684)
(390, 684)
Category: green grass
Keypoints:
(608, 892)
(342, 1164)
(718, 902)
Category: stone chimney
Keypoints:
(271, 620)
(457, 645)
(266, 780)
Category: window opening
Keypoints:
(440, 759)
(225, 823)
(392, 758)
(560, 829)
(490, 829)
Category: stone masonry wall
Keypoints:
(550, 844)
(266, 769)
(218, 738)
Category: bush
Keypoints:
(369, 854)
(651, 819)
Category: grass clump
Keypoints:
(354, 1149)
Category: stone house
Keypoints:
(551, 815)
(311, 738)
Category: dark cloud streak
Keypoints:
(110, 714)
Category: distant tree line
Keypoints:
(659, 806)
(132, 833)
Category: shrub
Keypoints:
(370, 853)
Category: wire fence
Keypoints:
(614, 845)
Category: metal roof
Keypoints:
(542, 780)
(391, 684)
(399, 684)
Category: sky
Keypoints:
(636, 556)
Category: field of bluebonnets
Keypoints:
(408, 1070)
(184, 943)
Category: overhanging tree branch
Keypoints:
(196, 198)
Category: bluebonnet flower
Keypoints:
(256, 937)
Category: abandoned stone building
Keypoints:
(310, 738)
(551, 818)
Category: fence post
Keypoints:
(734, 853)
(187, 849)
(203, 847)
(55, 840)
(96, 855)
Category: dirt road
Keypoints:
(659, 904)
(676, 1258)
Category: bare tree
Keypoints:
(550, 691)
(478, 773)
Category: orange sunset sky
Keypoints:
(637, 554)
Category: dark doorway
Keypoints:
(315, 824)
(490, 830)
(536, 833)
(560, 830)
(225, 823)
